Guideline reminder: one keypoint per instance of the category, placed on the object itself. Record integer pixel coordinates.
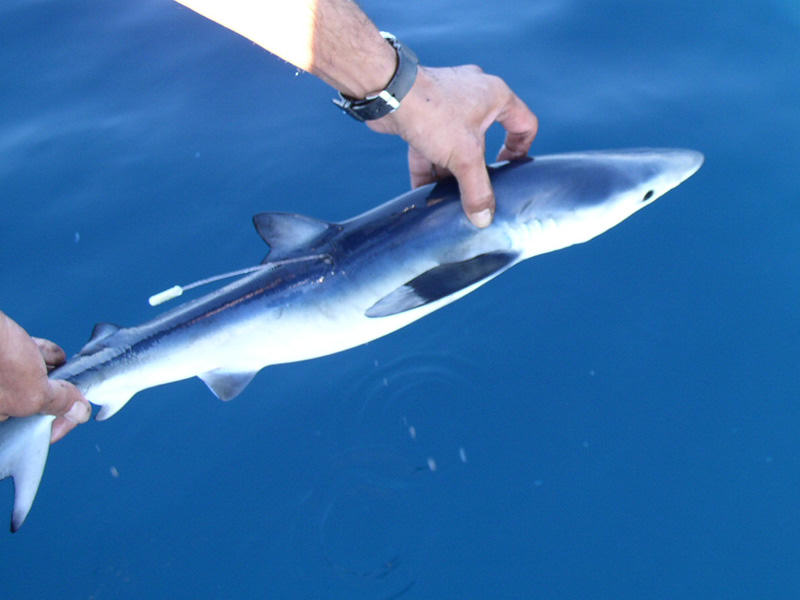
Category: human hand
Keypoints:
(444, 119)
(25, 388)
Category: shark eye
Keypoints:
(648, 195)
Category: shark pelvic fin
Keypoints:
(441, 281)
(111, 402)
(286, 233)
(24, 444)
(226, 385)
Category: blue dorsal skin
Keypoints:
(352, 282)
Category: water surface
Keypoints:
(616, 420)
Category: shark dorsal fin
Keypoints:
(102, 330)
(441, 281)
(285, 233)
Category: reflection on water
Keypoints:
(363, 524)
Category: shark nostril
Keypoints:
(648, 195)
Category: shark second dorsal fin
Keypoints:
(439, 282)
(100, 332)
(286, 233)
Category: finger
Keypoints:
(477, 197)
(52, 353)
(60, 428)
(79, 412)
(521, 127)
(61, 399)
(423, 171)
(420, 169)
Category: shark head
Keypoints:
(552, 202)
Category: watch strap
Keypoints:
(387, 100)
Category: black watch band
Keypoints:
(387, 100)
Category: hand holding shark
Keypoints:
(24, 386)
(459, 104)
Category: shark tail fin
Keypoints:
(24, 444)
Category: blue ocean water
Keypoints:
(615, 420)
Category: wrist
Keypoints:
(417, 100)
(372, 72)
(385, 101)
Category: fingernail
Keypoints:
(482, 218)
(78, 413)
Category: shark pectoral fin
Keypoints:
(441, 281)
(287, 232)
(226, 385)
(24, 444)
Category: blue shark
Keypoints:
(327, 287)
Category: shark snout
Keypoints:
(664, 169)
(682, 164)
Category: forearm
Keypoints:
(443, 117)
(332, 39)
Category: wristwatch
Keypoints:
(387, 100)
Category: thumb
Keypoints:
(73, 408)
(60, 398)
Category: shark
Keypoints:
(326, 287)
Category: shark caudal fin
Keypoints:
(24, 444)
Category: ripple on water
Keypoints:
(373, 515)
